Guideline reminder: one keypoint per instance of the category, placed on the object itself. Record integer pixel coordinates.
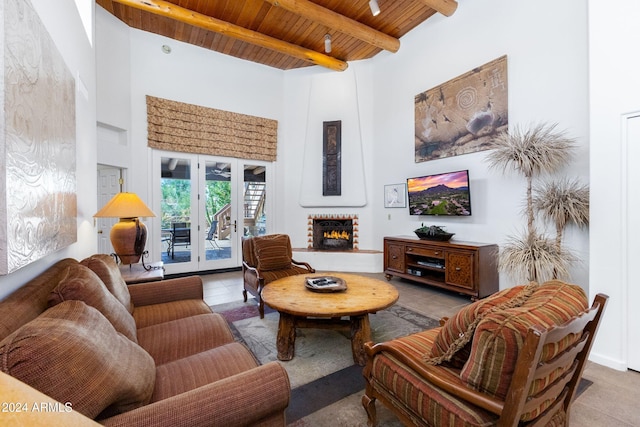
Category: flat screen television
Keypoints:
(445, 194)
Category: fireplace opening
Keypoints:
(333, 234)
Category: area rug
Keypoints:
(326, 384)
(322, 372)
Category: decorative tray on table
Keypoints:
(325, 284)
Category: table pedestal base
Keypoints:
(359, 326)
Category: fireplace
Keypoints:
(333, 232)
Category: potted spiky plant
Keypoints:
(532, 153)
(433, 232)
(562, 202)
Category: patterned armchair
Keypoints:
(265, 259)
(512, 359)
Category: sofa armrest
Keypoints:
(243, 399)
(166, 291)
(436, 375)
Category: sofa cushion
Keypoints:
(173, 340)
(272, 275)
(107, 270)
(202, 368)
(458, 325)
(273, 252)
(73, 354)
(147, 315)
(394, 377)
(500, 336)
(82, 284)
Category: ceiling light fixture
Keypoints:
(327, 43)
(166, 48)
(375, 9)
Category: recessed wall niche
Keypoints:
(333, 97)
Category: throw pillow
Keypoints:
(456, 327)
(500, 335)
(73, 354)
(82, 284)
(273, 252)
(107, 270)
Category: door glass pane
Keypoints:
(255, 186)
(218, 210)
(175, 205)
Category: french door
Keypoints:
(206, 205)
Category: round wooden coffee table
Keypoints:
(300, 307)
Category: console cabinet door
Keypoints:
(395, 257)
(459, 269)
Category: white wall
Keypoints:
(113, 73)
(614, 66)
(313, 95)
(547, 72)
(195, 76)
(63, 22)
(547, 83)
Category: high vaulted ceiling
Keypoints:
(284, 34)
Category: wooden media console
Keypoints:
(464, 267)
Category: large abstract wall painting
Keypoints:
(461, 115)
(38, 207)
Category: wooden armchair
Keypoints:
(265, 259)
(521, 366)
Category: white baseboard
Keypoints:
(346, 261)
(600, 359)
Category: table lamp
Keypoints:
(128, 236)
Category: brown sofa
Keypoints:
(146, 354)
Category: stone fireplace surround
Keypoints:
(346, 224)
(356, 260)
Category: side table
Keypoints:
(135, 273)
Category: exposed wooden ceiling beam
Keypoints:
(172, 11)
(445, 7)
(339, 22)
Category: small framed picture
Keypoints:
(395, 196)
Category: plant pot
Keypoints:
(443, 237)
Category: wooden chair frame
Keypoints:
(529, 367)
(258, 281)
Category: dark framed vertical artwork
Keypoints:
(332, 158)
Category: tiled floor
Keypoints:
(612, 400)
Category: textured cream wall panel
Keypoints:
(39, 213)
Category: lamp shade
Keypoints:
(129, 236)
(124, 205)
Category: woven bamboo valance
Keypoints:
(176, 126)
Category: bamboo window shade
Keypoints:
(187, 128)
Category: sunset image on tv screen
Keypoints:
(442, 194)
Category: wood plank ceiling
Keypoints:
(284, 34)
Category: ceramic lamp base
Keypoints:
(128, 238)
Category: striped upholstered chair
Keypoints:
(513, 359)
(265, 259)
